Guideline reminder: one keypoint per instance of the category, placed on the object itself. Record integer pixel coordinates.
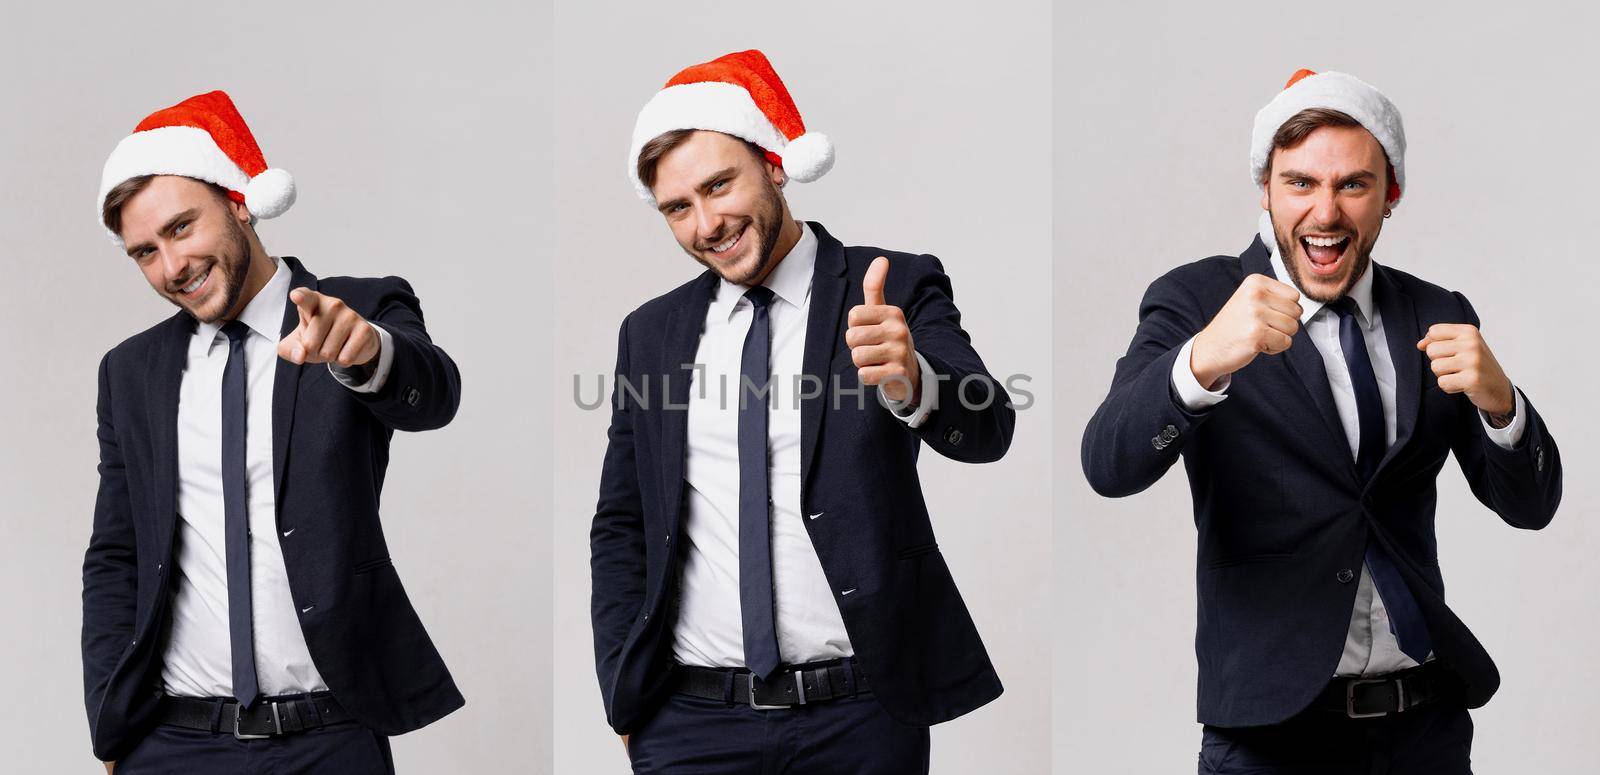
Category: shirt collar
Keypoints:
(263, 315)
(790, 280)
(1361, 292)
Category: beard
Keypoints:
(230, 267)
(764, 224)
(1361, 257)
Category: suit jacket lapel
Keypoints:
(169, 361)
(683, 328)
(286, 383)
(828, 289)
(1304, 361)
(1401, 334)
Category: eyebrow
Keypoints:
(168, 227)
(704, 187)
(1298, 175)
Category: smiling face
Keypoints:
(1327, 196)
(724, 206)
(193, 245)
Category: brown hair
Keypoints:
(111, 208)
(1302, 124)
(650, 155)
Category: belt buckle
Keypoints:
(799, 685)
(1350, 697)
(277, 723)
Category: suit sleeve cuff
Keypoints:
(1507, 438)
(357, 378)
(1194, 397)
(915, 416)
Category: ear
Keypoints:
(776, 174)
(238, 210)
(1266, 198)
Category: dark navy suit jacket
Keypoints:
(911, 632)
(330, 447)
(1283, 518)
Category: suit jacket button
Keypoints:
(413, 395)
(1345, 575)
(952, 436)
(1169, 433)
(1538, 459)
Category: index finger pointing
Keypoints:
(306, 299)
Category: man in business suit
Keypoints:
(767, 593)
(1314, 396)
(240, 611)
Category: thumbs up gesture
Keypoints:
(880, 341)
(329, 332)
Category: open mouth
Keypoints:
(727, 246)
(196, 285)
(1325, 254)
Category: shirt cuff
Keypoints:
(1195, 397)
(914, 417)
(356, 377)
(1508, 436)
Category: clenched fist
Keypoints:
(329, 332)
(1463, 363)
(1262, 316)
(880, 341)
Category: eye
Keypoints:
(1299, 184)
(1355, 184)
(719, 185)
(181, 227)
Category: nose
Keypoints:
(173, 266)
(708, 223)
(1325, 210)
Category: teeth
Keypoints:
(198, 281)
(1324, 242)
(725, 245)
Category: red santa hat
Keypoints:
(204, 138)
(740, 95)
(1334, 91)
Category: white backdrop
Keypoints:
(419, 143)
(1154, 105)
(938, 152)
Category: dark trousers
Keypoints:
(1434, 739)
(337, 749)
(846, 736)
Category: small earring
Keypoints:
(1387, 213)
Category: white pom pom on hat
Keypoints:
(204, 138)
(738, 94)
(269, 194)
(808, 157)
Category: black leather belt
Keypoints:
(788, 687)
(268, 717)
(1393, 693)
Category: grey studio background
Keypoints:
(1154, 106)
(420, 148)
(938, 153)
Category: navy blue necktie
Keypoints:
(236, 516)
(1405, 619)
(755, 504)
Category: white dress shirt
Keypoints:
(709, 629)
(1370, 647)
(198, 660)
